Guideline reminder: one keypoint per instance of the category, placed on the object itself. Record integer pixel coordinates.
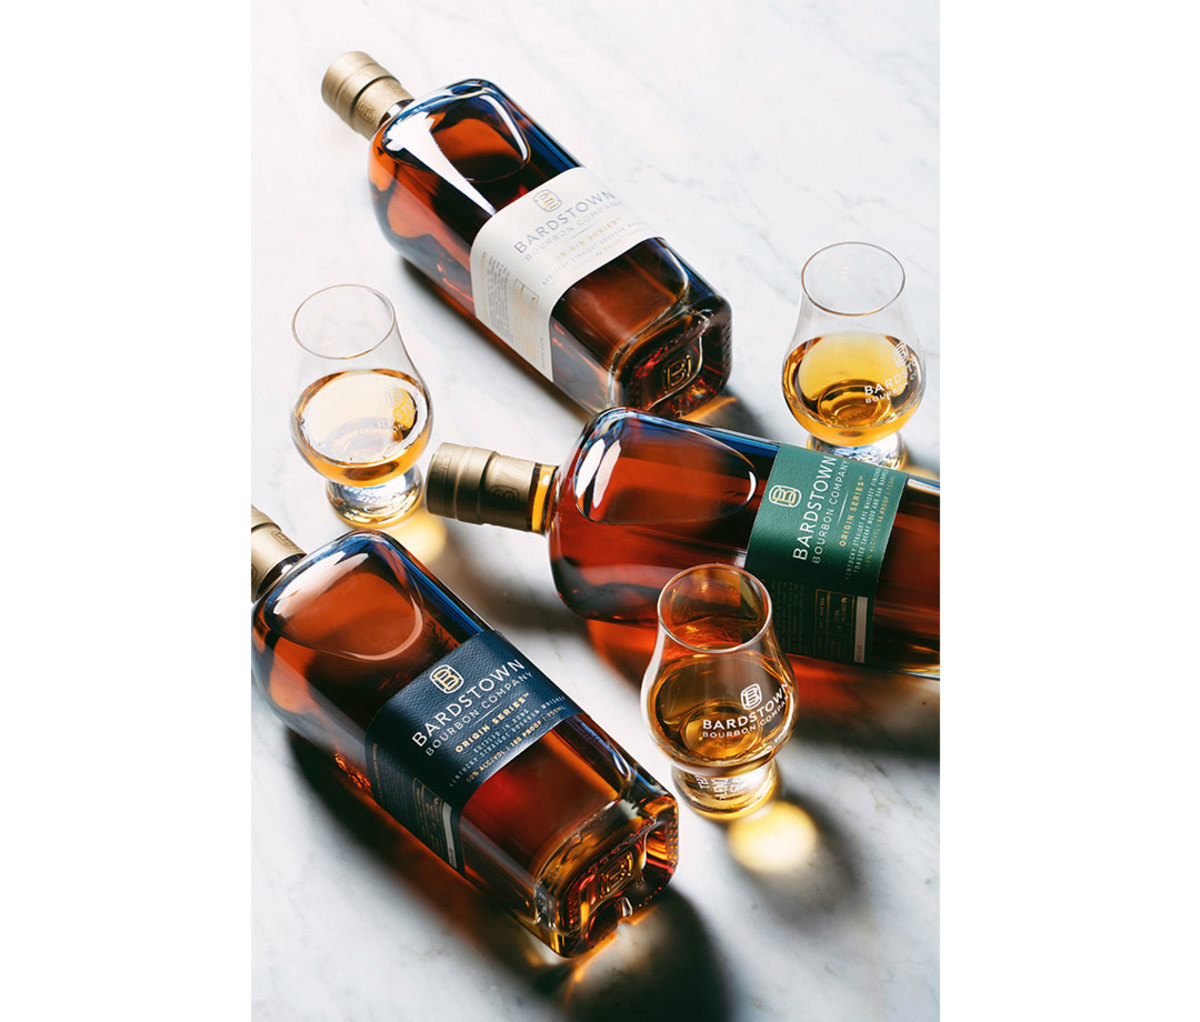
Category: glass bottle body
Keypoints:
(570, 834)
(642, 498)
(642, 330)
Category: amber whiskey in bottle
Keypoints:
(456, 734)
(516, 234)
(848, 551)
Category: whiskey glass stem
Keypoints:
(728, 795)
(889, 452)
(376, 505)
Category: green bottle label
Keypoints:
(817, 545)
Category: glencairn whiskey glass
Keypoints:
(363, 415)
(853, 373)
(719, 695)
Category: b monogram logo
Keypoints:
(446, 678)
(784, 496)
(751, 696)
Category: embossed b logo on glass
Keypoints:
(751, 696)
(446, 678)
(678, 372)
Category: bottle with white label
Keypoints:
(549, 259)
(457, 735)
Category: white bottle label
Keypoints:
(528, 254)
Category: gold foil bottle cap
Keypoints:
(268, 546)
(480, 486)
(361, 92)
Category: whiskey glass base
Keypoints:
(889, 452)
(730, 796)
(373, 506)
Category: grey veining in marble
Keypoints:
(753, 133)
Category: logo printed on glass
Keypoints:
(446, 678)
(784, 496)
(751, 696)
(547, 200)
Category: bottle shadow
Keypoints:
(485, 336)
(728, 411)
(505, 602)
(671, 971)
(838, 703)
(795, 853)
(647, 965)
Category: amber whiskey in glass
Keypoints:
(451, 729)
(514, 233)
(641, 498)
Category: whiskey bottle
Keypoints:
(512, 231)
(457, 735)
(848, 551)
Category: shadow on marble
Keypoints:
(423, 535)
(512, 610)
(480, 922)
(662, 967)
(798, 856)
(837, 703)
(519, 364)
(868, 709)
(728, 411)
(649, 965)
(524, 610)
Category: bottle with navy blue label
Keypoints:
(456, 734)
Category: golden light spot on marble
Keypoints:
(778, 839)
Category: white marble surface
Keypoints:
(754, 133)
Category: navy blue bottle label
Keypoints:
(817, 545)
(432, 745)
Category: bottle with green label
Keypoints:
(457, 734)
(848, 551)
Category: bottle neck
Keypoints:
(362, 92)
(542, 498)
(271, 553)
(480, 486)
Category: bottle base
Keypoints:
(581, 905)
(688, 367)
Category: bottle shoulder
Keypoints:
(367, 568)
(466, 90)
